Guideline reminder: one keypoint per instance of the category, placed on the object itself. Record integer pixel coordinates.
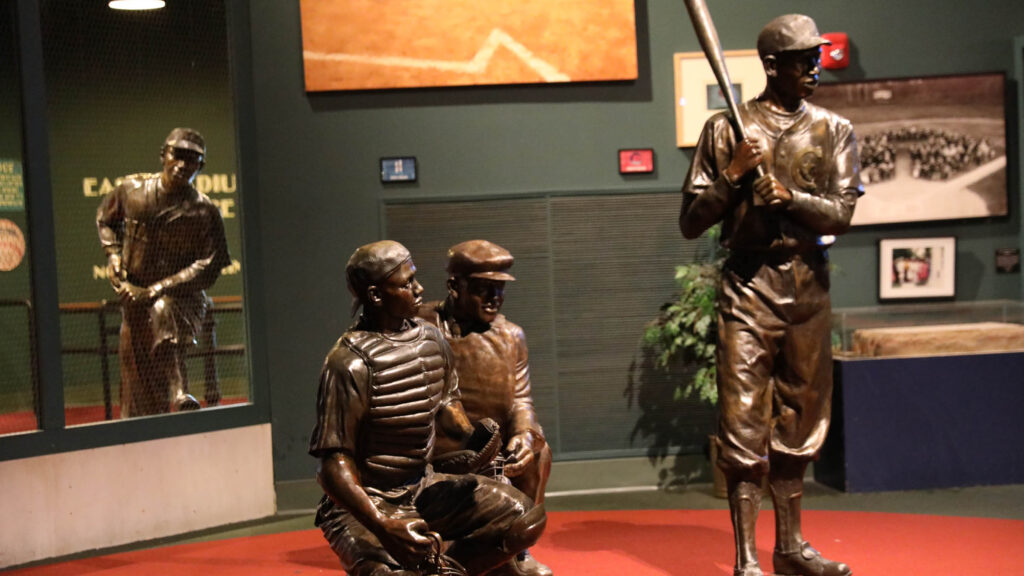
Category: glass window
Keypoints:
(147, 217)
(17, 380)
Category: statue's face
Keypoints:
(400, 293)
(478, 299)
(180, 165)
(796, 73)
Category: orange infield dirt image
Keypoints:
(368, 44)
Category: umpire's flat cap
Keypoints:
(480, 259)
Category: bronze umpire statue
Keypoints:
(774, 313)
(493, 363)
(165, 245)
(386, 388)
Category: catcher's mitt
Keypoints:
(481, 447)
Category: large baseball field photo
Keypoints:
(369, 44)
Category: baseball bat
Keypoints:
(708, 37)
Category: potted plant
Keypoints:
(686, 328)
(686, 331)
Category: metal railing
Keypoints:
(108, 333)
(32, 362)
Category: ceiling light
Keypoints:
(136, 4)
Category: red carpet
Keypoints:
(641, 543)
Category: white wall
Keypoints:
(65, 503)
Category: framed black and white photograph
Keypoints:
(931, 148)
(916, 268)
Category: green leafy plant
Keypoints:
(686, 328)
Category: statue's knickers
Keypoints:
(775, 377)
(534, 478)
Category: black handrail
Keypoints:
(33, 363)
(207, 349)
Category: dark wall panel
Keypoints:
(590, 272)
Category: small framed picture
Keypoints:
(716, 99)
(698, 95)
(398, 169)
(917, 268)
(636, 161)
(1007, 260)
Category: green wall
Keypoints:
(319, 196)
(15, 284)
(114, 91)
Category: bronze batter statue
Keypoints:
(774, 315)
(492, 360)
(387, 387)
(165, 245)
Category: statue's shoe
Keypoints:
(528, 565)
(754, 570)
(522, 565)
(807, 562)
(185, 402)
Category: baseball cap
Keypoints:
(371, 263)
(187, 139)
(787, 33)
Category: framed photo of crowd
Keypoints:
(931, 148)
(916, 268)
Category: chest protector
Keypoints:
(406, 388)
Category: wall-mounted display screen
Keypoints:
(401, 169)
